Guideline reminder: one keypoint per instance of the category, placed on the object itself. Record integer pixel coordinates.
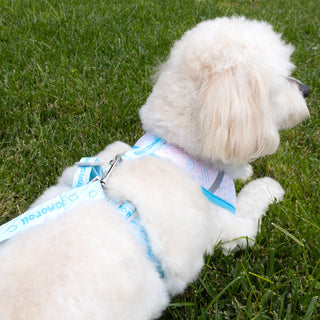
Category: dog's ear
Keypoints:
(236, 123)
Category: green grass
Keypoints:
(73, 75)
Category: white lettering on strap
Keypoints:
(51, 208)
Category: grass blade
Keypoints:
(260, 277)
(287, 233)
(221, 293)
(311, 307)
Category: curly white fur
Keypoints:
(223, 92)
(222, 96)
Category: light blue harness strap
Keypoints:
(129, 212)
(218, 201)
(138, 152)
(88, 168)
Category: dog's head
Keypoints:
(225, 92)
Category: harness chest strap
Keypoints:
(217, 186)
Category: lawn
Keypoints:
(73, 75)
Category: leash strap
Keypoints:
(50, 209)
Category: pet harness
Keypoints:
(217, 186)
(90, 177)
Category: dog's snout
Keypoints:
(302, 87)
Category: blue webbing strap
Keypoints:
(51, 208)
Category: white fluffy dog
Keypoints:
(221, 98)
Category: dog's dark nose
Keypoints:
(302, 87)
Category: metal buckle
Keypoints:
(113, 163)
